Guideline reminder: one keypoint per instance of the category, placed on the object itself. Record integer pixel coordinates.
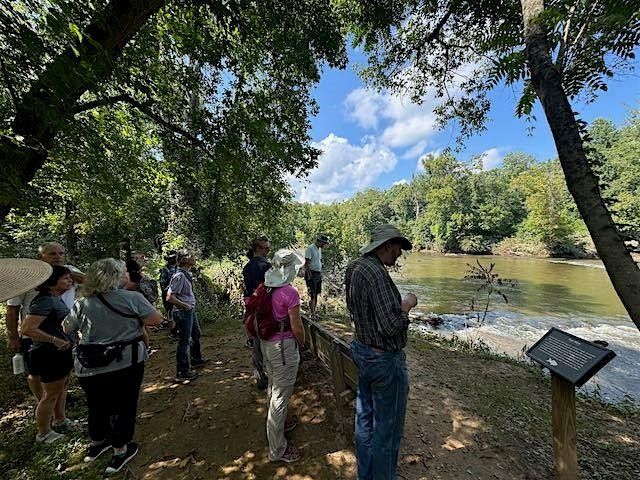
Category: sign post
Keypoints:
(572, 361)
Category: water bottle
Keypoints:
(18, 363)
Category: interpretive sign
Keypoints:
(572, 358)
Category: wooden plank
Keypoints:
(563, 411)
(323, 342)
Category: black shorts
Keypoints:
(50, 363)
(314, 283)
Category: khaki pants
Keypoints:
(282, 379)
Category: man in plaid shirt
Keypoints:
(381, 320)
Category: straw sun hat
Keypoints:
(19, 275)
(285, 266)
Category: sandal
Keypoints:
(290, 455)
(290, 424)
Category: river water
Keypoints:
(573, 295)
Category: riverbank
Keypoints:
(470, 415)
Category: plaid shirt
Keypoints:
(374, 303)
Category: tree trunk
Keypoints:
(581, 181)
(70, 235)
(48, 104)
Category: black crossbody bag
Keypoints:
(93, 355)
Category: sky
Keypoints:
(375, 139)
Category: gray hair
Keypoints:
(46, 246)
(103, 276)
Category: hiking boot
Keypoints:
(186, 376)
(119, 461)
(290, 455)
(201, 362)
(94, 451)
(49, 437)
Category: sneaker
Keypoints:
(199, 362)
(119, 461)
(184, 376)
(290, 455)
(94, 451)
(67, 423)
(49, 437)
(249, 343)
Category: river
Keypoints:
(573, 295)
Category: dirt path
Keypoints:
(468, 417)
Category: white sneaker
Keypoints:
(67, 423)
(49, 437)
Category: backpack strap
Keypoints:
(114, 309)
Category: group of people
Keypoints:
(380, 316)
(107, 322)
(275, 358)
(103, 316)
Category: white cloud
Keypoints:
(363, 106)
(344, 169)
(405, 124)
(415, 151)
(491, 158)
(404, 181)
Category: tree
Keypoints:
(460, 50)
(220, 89)
(256, 59)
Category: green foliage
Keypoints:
(460, 50)
(614, 155)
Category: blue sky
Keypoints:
(374, 139)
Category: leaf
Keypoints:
(73, 28)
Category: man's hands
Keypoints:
(408, 302)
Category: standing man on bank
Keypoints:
(381, 321)
(182, 296)
(313, 271)
(166, 274)
(18, 308)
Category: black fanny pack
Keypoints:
(96, 356)
(92, 355)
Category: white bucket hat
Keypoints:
(383, 233)
(285, 266)
(19, 275)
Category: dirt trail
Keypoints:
(468, 417)
(214, 426)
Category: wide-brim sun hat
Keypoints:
(19, 275)
(285, 266)
(383, 233)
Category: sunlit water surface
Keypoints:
(575, 296)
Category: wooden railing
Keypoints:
(335, 354)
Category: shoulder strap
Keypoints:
(114, 309)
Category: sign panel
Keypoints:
(572, 358)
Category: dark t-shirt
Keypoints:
(253, 274)
(54, 310)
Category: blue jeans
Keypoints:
(189, 341)
(383, 387)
